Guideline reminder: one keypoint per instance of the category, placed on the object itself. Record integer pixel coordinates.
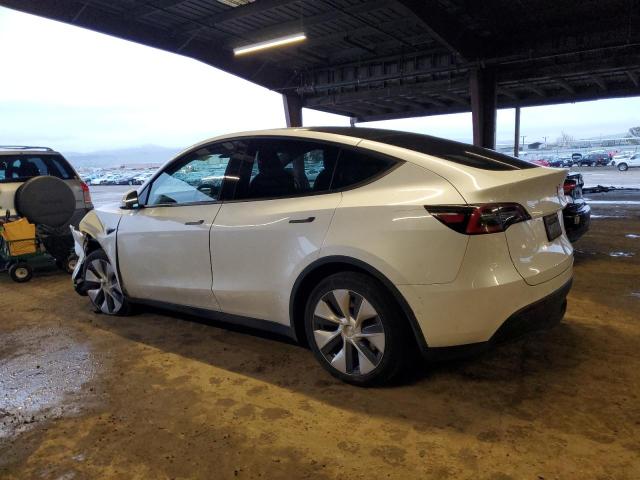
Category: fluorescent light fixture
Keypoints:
(276, 42)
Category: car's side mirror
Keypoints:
(130, 200)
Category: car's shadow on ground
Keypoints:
(502, 379)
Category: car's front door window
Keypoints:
(197, 178)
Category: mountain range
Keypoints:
(143, 155)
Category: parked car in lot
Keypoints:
(576, 157)
(577, 213)
(563, 161)
(38, 184)
(105, 180)
(594, 160)
(126, 180)
(541, 161)
(401, 242)
(632, 162)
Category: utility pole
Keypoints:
(516, 142)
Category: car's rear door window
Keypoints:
(356, 167)
(20, 168)
(282, 167)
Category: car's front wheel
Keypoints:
(102, 286)
(355, 330)
(623, 167)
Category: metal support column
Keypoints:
(292, 109)
(516, 142)
(483, 107)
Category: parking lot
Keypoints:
(609, 176)
(166, 396)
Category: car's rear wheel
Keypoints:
(355, 330)
(623, 167)
(102, 286)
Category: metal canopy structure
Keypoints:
(387, 59)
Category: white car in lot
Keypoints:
(401, 242)
(631, 161)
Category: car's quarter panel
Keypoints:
(164, 254)
(260, 247)
(385, 225)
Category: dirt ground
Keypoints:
(160, 396)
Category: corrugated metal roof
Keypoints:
(376, 59)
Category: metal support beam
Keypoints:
(516, 142)
(147, 8)
(292, 109)
(444, 27)
(483, 107)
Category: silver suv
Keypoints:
(38, 184)
(19, 164)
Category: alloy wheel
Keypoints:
(102, 287)
(348, 332)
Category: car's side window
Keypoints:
(277, 168)
(355, 166)
(196, 178)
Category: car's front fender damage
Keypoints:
(97, 229)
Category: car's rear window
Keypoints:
(456, 152)
(20, 168)
(438, 147)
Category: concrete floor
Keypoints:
(158, 396)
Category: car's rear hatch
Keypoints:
(539, 249)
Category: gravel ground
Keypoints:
(163, 396)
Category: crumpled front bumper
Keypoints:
(80, 244)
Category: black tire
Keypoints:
(102, 301)
(46, 200)
(68, 264)
(21, 272)
(623, 167)
(398, 342)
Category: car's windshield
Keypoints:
(20, 168)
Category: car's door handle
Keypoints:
(302, 220)
(197, 222)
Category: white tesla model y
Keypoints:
(366, 244)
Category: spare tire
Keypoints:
(45, 200)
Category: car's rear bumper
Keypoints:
(542, 314)
(487, 293)
(577, 218)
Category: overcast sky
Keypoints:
(76, 90)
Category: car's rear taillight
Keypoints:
(569, 186)
(479, 219)
(87, 195)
